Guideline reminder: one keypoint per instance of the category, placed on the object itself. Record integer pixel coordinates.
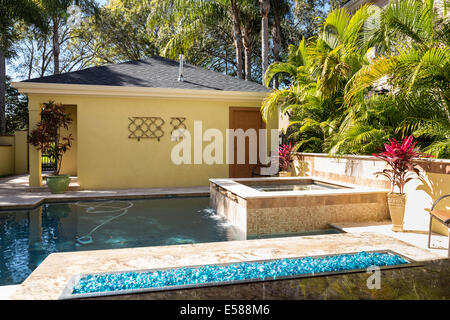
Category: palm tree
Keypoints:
(415, 74)
(192, 17)
(250, 28)
(315, 75)
(420, 62)
(295, 74)
(12, 11)
(264, 6)
(369, 124)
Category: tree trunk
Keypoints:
(56, 49)
(248, 44)
(2, 94)
(237, 39)
(226, 61)
(264, 6)
(276, 37)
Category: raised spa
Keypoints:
(259, 206)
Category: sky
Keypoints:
(101, 2)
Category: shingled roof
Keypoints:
(154, 72)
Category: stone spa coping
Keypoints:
(242, 187)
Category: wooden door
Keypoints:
(244, 118)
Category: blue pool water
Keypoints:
(273, 269)
(27, 237)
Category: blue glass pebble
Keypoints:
(233, 272)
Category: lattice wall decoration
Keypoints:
(178, 123)
(145, 128)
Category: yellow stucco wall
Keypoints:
(13, 153)
(107, 159)
(20, 152)
(6, 160)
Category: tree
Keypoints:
(47, 136)
(250, 27)
(237, 34)
(316, 74)
(16, 109)
(189, 22)
(56, 16)
(414, 75)
(12, 11)
(358, 83)
(264, 6)
(132, 39)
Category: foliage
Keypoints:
(47, 136)
(12, 11)
(285, 153)
(399, 158)
(318, 71)
(414, 74)
(16, 110)
(367, 77)
(131, 39)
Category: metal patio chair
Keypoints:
(442, 216)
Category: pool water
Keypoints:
(27, 237)
(270, 187)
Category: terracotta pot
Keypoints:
(284, 174)
(397, 202)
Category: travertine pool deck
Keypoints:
(418, 238)
(14, 193)
(52, 275)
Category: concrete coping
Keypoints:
(237, 187)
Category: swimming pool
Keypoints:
(27, 237)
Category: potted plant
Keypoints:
(47, 138)
(285, 158)
(402, 169)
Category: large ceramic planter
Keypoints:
(284, 174)
(396, 203)
(58, 184)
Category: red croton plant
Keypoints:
(399, 157)
(285, 156)
(47, 136)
